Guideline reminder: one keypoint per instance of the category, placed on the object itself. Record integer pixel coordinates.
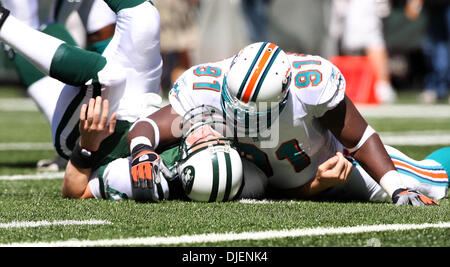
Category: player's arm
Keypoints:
(332, 172)
(94, 128)
(351, 129)
(158, 130)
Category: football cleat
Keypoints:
(4, 13)
(56, 164)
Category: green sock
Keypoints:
(99, 46)
(117, 5)
(75, 66)
(59, 31)
(27, 72)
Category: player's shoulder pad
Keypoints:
(316, 81)
(201, 84)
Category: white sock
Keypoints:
(45, 93)
(35, 46)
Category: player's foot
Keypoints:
(428, 97)
(55, 164)
(4, 13)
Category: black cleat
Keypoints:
(4, 13)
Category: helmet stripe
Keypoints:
(226, 196)
(258, 70)
(215, 184)
(258, 87)
(244, 82)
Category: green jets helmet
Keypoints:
(209, 166)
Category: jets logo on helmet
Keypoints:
(210, 166)
(255, 87)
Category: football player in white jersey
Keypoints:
(127, 73)
(194, 165)
(98, 21)
(290, 116)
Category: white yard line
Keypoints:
(372, 111)
(417, 138)
(33, 176)
(18, 104)
(26, 146)
(28, 224)
(405, 111)
(225, 237)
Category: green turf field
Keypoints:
(32, 211)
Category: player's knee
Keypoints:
(75, 66)
(443, 157)
(255, 180)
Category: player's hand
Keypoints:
(94, 125)
(144, 167)
(411, 197)
(334, 171)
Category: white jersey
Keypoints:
(299, 143)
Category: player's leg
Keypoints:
(136, 44)
(428, 176)
(112, 78)
(99, 21)
(255, 182)
(97, 18)
(360, 186)
(50, 55)
(112, 181)
(42, 89)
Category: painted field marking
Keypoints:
(18, 104)
(28, 224)
(225, 237)
(405, 111)
(33, 176)
(372, 111)
(418, 138)
(26, 146)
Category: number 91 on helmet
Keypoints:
(209, 165)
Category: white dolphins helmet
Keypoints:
(256, 86)
(210, 167)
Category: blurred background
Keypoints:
(403, 45)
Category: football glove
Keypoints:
(144, 173)
(404, 196)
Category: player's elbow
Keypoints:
(71, 189)
(70, 193)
